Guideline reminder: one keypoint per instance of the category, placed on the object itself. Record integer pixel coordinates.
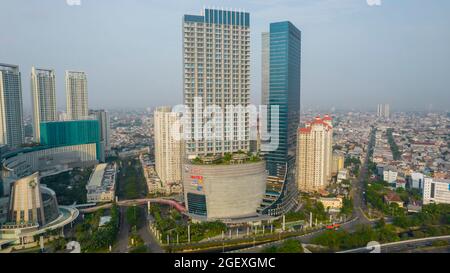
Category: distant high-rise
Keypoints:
(77, 95)
(383, 110)
(11, 108)
(265, 67)
(216, 50)
(104, 125)
(314, 155)
(168, 148)
(284, 93)
(386, 111)
(43, 98)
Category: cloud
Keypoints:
(374, 2)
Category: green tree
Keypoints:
(290, 246)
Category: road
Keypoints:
(149, 239)
(143, 231)
(400, 246)
(122, 237)
(358, 186)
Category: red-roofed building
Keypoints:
(392, 197)
(314, 154)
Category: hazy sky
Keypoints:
(353, 55)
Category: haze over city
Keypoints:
(354, 55)
(131, 127)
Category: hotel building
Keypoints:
(216, 63)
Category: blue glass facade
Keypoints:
(284, 92)
(73, 132)
(197, 204)
(226, 17)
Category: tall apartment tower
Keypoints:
(76, 95)
(265, 67)
(315, 154)
(386, 111)
(169, 149)
(11, 108)
(104, 126)
(216, 50)
(383, 110)
(43, 98)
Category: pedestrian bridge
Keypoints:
(87, 208)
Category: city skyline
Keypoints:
(373, 64)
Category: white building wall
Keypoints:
(76, 95)
(436, 191)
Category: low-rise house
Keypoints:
(391, 197)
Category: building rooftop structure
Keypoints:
(102, 183)
(97, 176)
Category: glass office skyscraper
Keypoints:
(284, 92)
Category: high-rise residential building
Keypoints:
(220, 180)
(169, 148)
(314, 154)
(216, 63)
(265, 66)
(386, 111)
(383, 110)
(11, 108)
(43, 98)
(104, 126)
(284, 93)
(76, 95)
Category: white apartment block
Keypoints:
(216, 60)
(169, 148)
(390, 176)
(417, 181)
(383, 110)
(76, 95)
(436, 191)
(314, 155)
(43, 98)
